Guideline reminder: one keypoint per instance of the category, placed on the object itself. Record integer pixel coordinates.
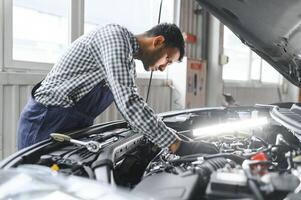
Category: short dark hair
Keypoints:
(172, 35)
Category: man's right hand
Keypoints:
(182, 148)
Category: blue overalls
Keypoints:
(37, 121)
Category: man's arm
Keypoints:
(112, 51)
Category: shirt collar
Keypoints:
(134, 43)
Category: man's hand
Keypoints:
(183, 148)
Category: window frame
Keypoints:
(1, 35)
(76, 21)
(250, 82)
(175, 20)
(75, 29)
(9, 63)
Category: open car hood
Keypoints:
(271, 28)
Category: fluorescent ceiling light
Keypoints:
(230, 126)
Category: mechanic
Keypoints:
(97, 69)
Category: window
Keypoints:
(138, 16)
(37, 32)
(40, 30)
(244, 64)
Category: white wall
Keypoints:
(214, 73)
(247, 95)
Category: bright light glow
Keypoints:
(230, 127)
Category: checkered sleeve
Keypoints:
(112, 51)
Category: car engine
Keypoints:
(254, 162)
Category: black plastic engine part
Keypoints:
(170, 186)
(131, 169)
(190, 158)
(108, 158)
(216, 163)
(228, 185)
(46, 160)
(293, 197)
(164, 180)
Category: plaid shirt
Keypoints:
(104, 54)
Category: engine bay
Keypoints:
(255, 161)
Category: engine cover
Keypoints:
(170, 186)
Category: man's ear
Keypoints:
(158, 41)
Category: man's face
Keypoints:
(163, 58)
(158, 56)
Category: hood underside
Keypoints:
(271, 28)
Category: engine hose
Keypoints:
(247, 170)
(182, 160)
(207, 167)
(216, 163)
(236, 158)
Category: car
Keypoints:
(39, 182)
(259, 146)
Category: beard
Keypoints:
(150, 59)
(146, 65)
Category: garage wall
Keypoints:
(15, 89)
(250, 95)
(197, 21)
(245, 95)
(191, 21)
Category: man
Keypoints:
(97, 69)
